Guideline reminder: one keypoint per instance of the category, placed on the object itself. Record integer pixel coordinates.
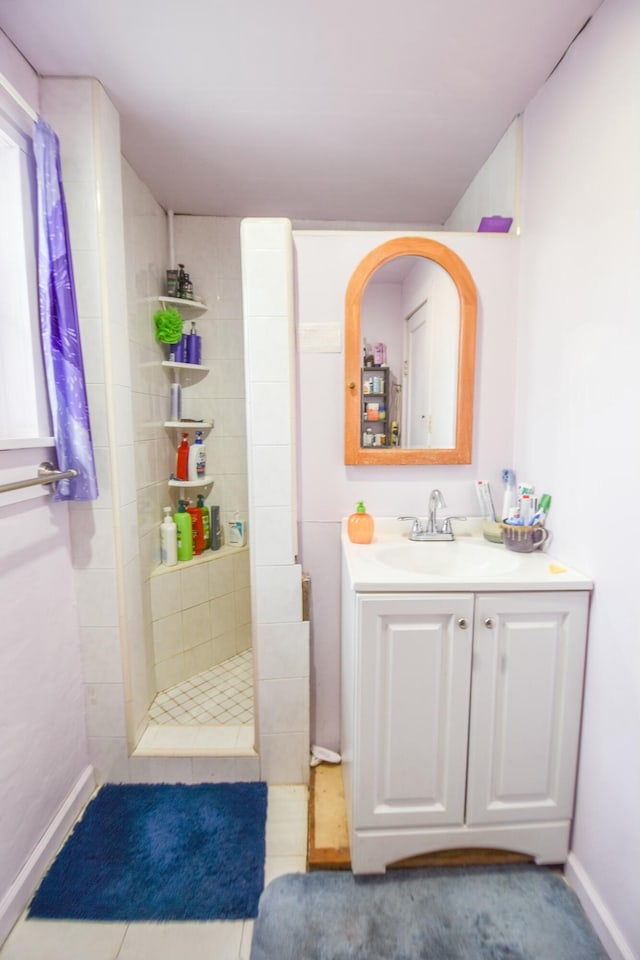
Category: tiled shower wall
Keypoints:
(195, 614)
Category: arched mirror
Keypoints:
(410, 328)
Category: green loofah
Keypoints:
(168, 325)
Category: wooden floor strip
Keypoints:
(328, 841)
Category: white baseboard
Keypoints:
(19, 893)
(597, 911)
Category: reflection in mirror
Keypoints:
(409, 356)
(410, 321)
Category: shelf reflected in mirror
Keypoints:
(409, 356)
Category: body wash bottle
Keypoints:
(360, 525)
(182, 461)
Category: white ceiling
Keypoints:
(325, 110)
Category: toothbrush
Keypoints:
(509, 481)
(540, 516)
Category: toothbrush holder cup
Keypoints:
(523, 539)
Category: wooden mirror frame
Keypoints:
(354, 452)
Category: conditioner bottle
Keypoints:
(185, 534)
(168, 539)
(206, 523)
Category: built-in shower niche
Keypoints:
(201, 626)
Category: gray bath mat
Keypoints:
(518, 912)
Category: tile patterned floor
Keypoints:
(221, 695)
(286, 843)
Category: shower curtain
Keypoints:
(59, 328)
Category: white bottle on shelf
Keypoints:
(168, 539)
(197, 458)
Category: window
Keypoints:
(24, 413)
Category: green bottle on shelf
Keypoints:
(206, 524)
(185, 533)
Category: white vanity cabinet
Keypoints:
(461, 718)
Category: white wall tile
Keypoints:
(266, 283)
(97, 598)
(195, 585)
(284, 758)
(104, 703)
(92, 539)
(170, 672)
(284, 705)
(272, 472)
(221, 576)
(129, 531)
(224, 646)
(284, 650)
(270, 415)
(196, 625)
(168, 637)
(273, 536)
(166, 594)
(222, 614)
(101, 654)
(278, 594)
(268, 348)
(110, 759)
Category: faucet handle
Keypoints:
(417, 526)
(446, 523)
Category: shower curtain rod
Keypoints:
(47, 473)
(19, 99)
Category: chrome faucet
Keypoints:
(436, 500)
(431, 530)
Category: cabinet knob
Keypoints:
(351, 384)
(489, 623)
(462, 623)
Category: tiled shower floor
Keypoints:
(221, 695)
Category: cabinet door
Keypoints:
(527, 676)
(414, 662)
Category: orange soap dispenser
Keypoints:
(360, 525)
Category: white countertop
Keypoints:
(394, 563)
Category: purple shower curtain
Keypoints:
(59, 327)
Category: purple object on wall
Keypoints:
(495, 225)
(59, 328)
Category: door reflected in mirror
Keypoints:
(409, 356)
(410, 322)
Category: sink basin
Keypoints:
(454, 559)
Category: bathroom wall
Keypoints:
(496, 187)
(329, 490)
(579, 391)
(45, 775)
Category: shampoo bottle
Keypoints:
(182, 462)
(197, 531)
(206, 524)
(194, 345)
(197, 459)
(360, 525)
(185, 533)
(168, 539)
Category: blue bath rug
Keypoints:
(447, 913)
(161, 852)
